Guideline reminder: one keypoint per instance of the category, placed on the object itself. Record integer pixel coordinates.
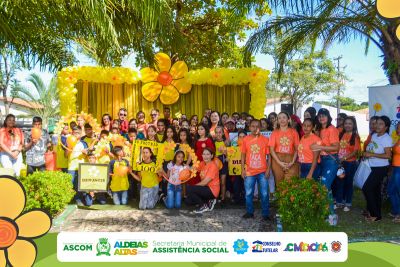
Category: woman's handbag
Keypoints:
(362, 173)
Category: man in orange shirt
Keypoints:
(255, 167)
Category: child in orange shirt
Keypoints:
(307, 157)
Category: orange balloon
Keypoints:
(184, 175)
(36, 133)
(121, 170)
(71, 141)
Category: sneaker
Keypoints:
(161, 196)
(248, 216)
(202, 209)
(211, 204)
(346, 209)
(396, 219)
(338, 206)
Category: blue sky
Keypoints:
(363, 70)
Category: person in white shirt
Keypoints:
(378, 153)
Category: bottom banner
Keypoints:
(201, 247)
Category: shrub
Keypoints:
(49, 190)
(303, 205)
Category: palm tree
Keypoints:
(301, 21)
(44, 99)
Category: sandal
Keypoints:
(373, 219)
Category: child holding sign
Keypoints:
(149, 179)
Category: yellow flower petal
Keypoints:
(179, 70)
(151, 91)
(22, 253)
(148, 75)
(2, 259)
(183, 85)
(169, 95)
(12, 198)
(163, 62)
(33, 224)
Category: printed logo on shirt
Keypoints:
(284, 141)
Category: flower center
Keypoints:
(8, 234)
(164, 78)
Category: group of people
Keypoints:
(311, 149)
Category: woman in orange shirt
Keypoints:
(349, 148)
(283, 148)
(307, 157)
(204, 194)
(329, 149)
(394, 181)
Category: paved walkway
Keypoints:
(218, 220)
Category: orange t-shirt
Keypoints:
(329, 136)
(256, 150)
(345, 148)
(396, 154)
(210, 170)
(13, 139)
(304, 151)
(284, 141)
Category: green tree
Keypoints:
(44, 98)
(328, 21)
(346, 103)
(303, 78)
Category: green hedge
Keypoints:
(49, 190)
(303, 205)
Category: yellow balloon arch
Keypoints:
(165, 82)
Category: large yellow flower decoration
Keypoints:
(17, 228)
(389, 9)
(165, 81)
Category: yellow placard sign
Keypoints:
(137, 149)
(234, 160)
(93, 177)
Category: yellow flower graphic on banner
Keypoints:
(377, 107)
(284, 141)
(389, 9)
(17, 228)
(165, 81)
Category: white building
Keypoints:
(20, 108)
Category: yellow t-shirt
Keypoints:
(160, 137)
(119, 183)
(218, 145)
(149, 179)
(62, 160)
(88, 140)
(76, 156)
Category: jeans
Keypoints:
(249, 184)
(100, 197)
(328, 169)
(174, 196)
(344, 187)
(394, 191)
(305, 169)
(120, 197)
(238, 190)
(10, 163)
